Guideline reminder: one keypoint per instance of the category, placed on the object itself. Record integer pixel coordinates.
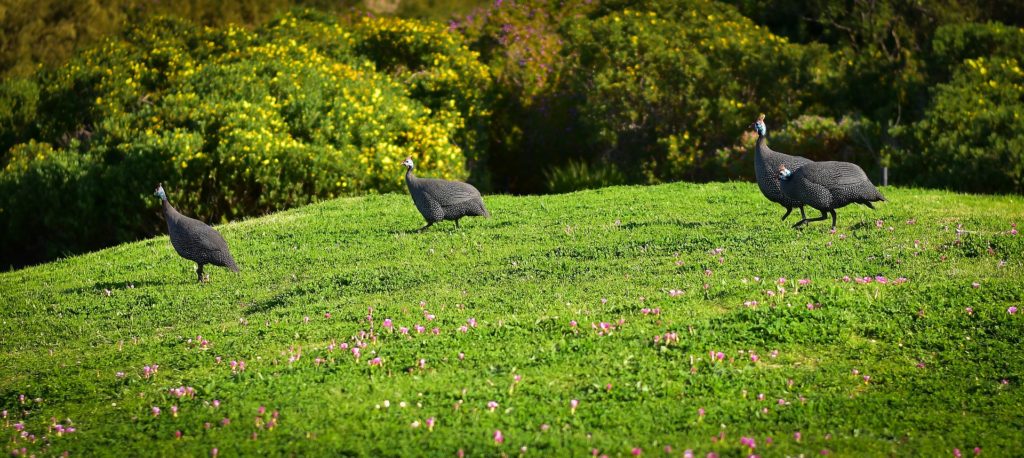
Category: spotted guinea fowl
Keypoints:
(439, 200)
(195, 240)
(766, 166)
(826, 186)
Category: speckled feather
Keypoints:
(439, 200)
(196, 241)
(766, 167)
(830, 185)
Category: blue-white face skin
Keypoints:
(784, 174)
(160, 192)
(760, 127)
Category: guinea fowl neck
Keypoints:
(408, 174)
(762, 145)
(168, 209)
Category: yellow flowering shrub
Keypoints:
(236, 123)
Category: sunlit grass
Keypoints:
(503, 295)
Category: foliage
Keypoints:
(825, 139)
(669, 83)
(870, 369)
(236, 123)
(972, 136)
(577, 175)
(880, 47)
(954, 43)
(653, 87)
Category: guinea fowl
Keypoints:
(439, 200)
(826, 186)
(195, 240)
(766, 166)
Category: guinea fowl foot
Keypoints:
(424, 227)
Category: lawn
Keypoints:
(617, 321)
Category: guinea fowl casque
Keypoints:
(826, 186)
(195, 240)
(766, 166)
(439, 200)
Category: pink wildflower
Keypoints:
(498, 437)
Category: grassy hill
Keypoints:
(658, 281)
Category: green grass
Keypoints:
(524, 275)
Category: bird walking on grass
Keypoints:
(439, 200)
(195, 240)
(766, 166)
(826, 186)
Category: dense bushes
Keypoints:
(524, 96)
(36, 33)
(234, 122)
(655, 87)
(663, 89)
(972, 136)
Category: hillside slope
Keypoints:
(918, 363)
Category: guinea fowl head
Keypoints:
(784, 173)
(758, 125)
(408, 163)
(160, 191)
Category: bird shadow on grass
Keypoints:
(270, 304)
(680, 224)
(860, 225)
(99, 287)
(442, 227)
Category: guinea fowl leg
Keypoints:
(425, 227)
(802, 214)
(788, 211)
(823, 216)
(456, 223)
(833, 212)
(199, 272)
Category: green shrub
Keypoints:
(953, 43)
(972, 135)
(235, 123)
(577, 175)
(819, 138)
(670, 83)
(655, 87)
